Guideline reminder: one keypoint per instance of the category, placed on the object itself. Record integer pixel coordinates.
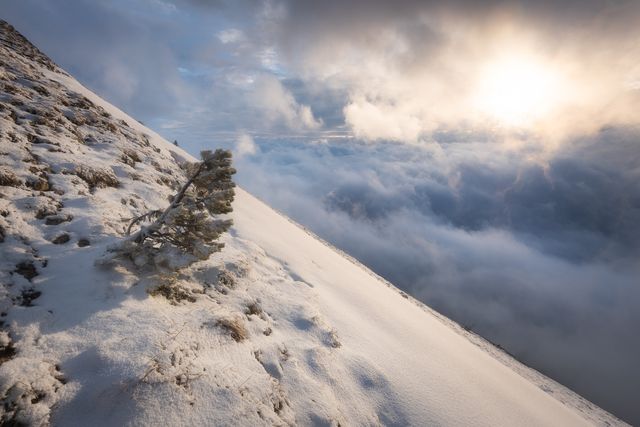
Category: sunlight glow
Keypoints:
(517, 91)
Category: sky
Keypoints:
(484, 156)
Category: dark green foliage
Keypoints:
(190, 226)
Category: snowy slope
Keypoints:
(278, 329)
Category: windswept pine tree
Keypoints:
(189, 228)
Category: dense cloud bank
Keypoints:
(536, 251)
(408, 67)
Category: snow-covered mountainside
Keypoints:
(277, 329)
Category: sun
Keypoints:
(517, 91)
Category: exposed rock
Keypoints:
(61, 239)
(57, 219)
(26, 269)
(28, 296)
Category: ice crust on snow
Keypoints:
(277, 329)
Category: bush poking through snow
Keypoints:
(234, 326)
(9, 179)
(49, 207)
(7, 350)
(38, 184)
(172, 292)
(254, 309)
(226, 279)
(26, 269)
(130, 157)
(97, 178)
(188, 229)
(166, 285)
(332, 339)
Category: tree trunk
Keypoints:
(140, 236)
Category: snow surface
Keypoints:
(278, 329)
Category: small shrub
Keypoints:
(83, 102)
(44, 121)
(172, 292)
(78, 135)
(234, 326)
(38, 184)
(130, 158)
(332, 339)
(17, 401)
(76, 118)
(9, 179)
(41, 90)
(226, 279)
(110, 126)
(14, 117)
(49, 209)
(254, 309)
(26, 269)
(97, 178)
(7, 350)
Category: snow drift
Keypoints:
(277, 329)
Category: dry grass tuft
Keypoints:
(172, 292)
(226, 279)
(130, 157)
(254, 308)
(234, 327)
(9, 179)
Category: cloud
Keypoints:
(231, 35)
(372, 122)
(418, 66)
(120, 81)
(278, 106)
(381, 71)
(245, 146)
